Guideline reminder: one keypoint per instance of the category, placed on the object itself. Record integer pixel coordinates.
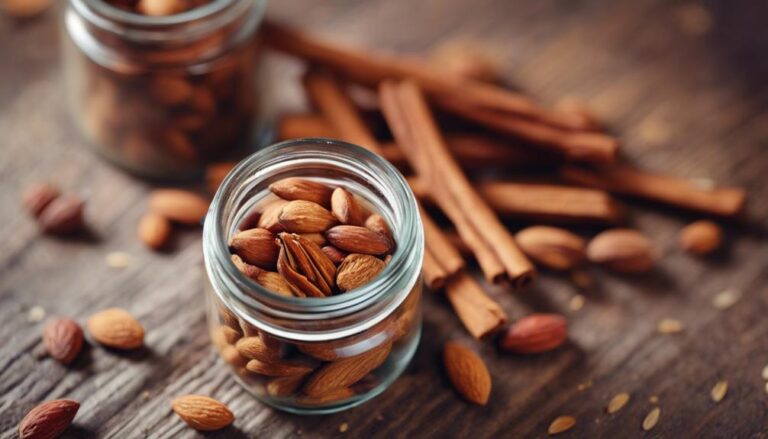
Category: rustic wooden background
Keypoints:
(683, 83)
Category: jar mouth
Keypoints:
(120, 15)
(403, 218)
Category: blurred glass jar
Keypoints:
(315, 355)
(162, 96)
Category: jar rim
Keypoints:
(408, 235)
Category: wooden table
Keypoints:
(683, 85)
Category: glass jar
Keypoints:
(315, 355)
(161, 96)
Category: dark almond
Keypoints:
(535, 333)
(63, 339)
(63, 215)
(48, 420)
(335, 255)
(38, 196)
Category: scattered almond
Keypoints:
(618, 402)
(202, 413)
(154, 230)
(301, 216)
(651, 419)
(116, 328)
(63, 215)
(467, 373)
(355, 239)
(670, 326)
(178, 205)
(63, 339)
(345, 372)
(357, 270)
(552, 247)
(719, 390)
(38, 196)
(701, 237)
(346, 208)
(561, 424)
(302, 189)
(48, 420)
(256, 247)
(535, 333)
(622, 250)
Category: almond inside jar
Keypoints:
(308, 239)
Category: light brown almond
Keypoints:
(561, 424)
(154, 230)
(618, 402)
(48, 420)
(701, 237)
(284, 386)
(116, 328)
(305, 217)
(202, 412)
(331, 396)
(275, 282)
(335, 255)
(467, 373)
(256, 247)
(345, 372)
(317, 238)
(247, 269)
(302, 189)
(230, 354)
(355, 239)
(178, 205)
(63, 215)
(270, 217)
(38, 196)
(346, 208)
(378, 224)
(63, 339)
(357, 270)
(551, 246)
(651, 419)
(623, 250)
(282, 368)
(719, 390)
(535, 333)
(255, 348)
(224, 335)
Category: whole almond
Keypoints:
(223, 335)
(48, 420)
(623, 250)
(116, 328)
(701, 237)
(270, 217)
(317, 238)
(357, 270)
(346, 208)
(355, 239)
(535, 333)
(377, 223)
(302, 189)
(63, 339)
(305, 217)
(282, 368)
(202, 413)
(247, 269)
(467, 372)
(284, 386)
(178, 205)
(154, 230)
(331, 396)
(256, 247)
(551, 246)
(63, 215)
(335, 255)
(274, 282)
(345, 372)
(38, 196)
(255, 348)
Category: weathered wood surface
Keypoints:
(689, 103)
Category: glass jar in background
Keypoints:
(161, 96)
(316, 355)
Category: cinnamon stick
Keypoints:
(371, 69)
(434, 274)
(411, 121)
(447, 255)
(543, 202)
(297, 126)
(676, 192)
(479, 314)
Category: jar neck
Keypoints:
(112, 36)
(360, 171)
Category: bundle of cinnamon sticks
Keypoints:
(579, 173)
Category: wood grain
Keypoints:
(686, 103)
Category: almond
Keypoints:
(355, 239)
(202, 413)
(335, 255)
(63, 215)
(230, 354)
(467, 373)
(345, 372)
(317, 238)
(247, 269)
(305, 217)
(701, 237)
(302, 189)
(378, 224)
(282, 368)
(154, 231)
(63, 339)
(357, 270)
(250, 220)
(535, 333)
(346, 208)
(48, 420)
(306, 268)
(256, 247)
(38, 196)
(116, 328)
(255, 348)
(178, 205)
(623, 250)
(332, 396)
(270, 217)
(551, 246)
(224, 335)
(275, 282)
(284, 386)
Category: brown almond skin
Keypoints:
(535, 333)
(178, 205)
(355, 239)
(49, 419)
(116, 328)
(467, 373)
(154, 231)
(202, 413)
(552, 247)
(63, 339)
(357, 270)
(256, 247)
(335, 255)
(63, 215)
(270, 217)
(295, 188)
(622, 250)
(255, 348)
(345, 372)
(301, 216)
(346, 208)
(377, 223)
(38, 196)
(282, 368)
(247, 269)
(701, 237)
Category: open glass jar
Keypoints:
(315, 354)
(163, 95)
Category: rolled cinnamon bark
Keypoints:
(480, 314)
